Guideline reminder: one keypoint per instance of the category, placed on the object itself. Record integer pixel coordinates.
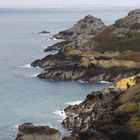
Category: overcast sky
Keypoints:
(127, 3)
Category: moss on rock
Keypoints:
(134, 123)
(128, 107)
(73, 52)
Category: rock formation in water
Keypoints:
(28, 131)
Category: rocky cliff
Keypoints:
(88, 26)
(93, 52)
(110, 114)
(85, 28)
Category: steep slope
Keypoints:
(110, 114)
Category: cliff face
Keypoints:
(93, 52)
(86, 68)
(110, 114)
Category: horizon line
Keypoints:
(71, 5)
(68, 6)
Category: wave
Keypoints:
(16, 126)
(27, 66)
(60, 113)
(104, 82)
(73, 103)
(34, 75)
(52, 38)
(81, 81)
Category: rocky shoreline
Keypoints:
(94, 52)
(109, 114)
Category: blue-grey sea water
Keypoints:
(23, 97)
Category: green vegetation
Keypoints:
(129, 107)
(134, 35)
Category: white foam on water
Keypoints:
(59, 120)
(16, 126)
(34, 75)
(45, 47)
(104, 82)
(81, 81)
(60, 113)
(52, 38)
(73, 103)
(26, 66)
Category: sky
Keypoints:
(105, 3)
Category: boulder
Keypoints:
(44, 32)
(28, 131)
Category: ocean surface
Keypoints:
(23, 97)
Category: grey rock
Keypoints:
(130, 21)
(28, 131)
(87, 26)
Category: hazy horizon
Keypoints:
(72, 3)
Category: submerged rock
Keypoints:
(28, 131)
(44, 32)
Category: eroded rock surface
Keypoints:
(93, 52)
(28, 131)
(87, 26)
(110, 114)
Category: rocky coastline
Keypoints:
(94, 52)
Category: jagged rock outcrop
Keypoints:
(107, 53)
(132, 20)
(92, 68)
(77, 35)
(28, 131)
(88, 26)
(110, 114)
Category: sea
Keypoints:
(23, 97)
